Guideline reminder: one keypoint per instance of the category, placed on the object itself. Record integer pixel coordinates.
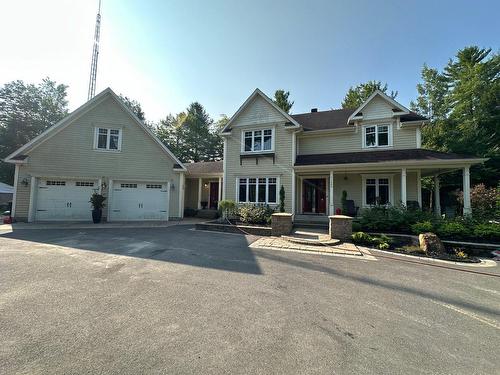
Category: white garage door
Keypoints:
(59, 199)
(139, 201)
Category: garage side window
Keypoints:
(108, 139)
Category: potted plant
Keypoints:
(97, 202)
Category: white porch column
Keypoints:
(294, 198)
(419, 188)
(437, 197)
(467, 206)
(219, 195)
(403, 186)
(33, 194)
(331, 208)
(200, 185)
(182, 184)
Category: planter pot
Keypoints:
(96, 216)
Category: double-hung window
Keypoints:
(261, 190)
(377, 191)
(377, 136)
(108, 139)
(258, 140)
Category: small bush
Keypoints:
(381, 242)
(254, 214)
(356, 227)
(459, 253)
(487, 231)
(227, 208)
(190, 212)
(422, 227)
(453, 230)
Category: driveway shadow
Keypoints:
(398, 287)
(177, 244)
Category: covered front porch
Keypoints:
(319, 191)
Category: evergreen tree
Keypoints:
(282, 101)
(357, 95)
(135, 106)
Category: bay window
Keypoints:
(261, 190)
(377, 136)
(257, 140)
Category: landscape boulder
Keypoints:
(431, 244)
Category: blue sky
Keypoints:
(167, 54)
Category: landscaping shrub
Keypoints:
(485, 202)
(282, 199)
(381, 242)
(356, 227)
(254, 214)
(227, 208)
(190, 212)
(453, 229)
(487, 231)
(422, 227)
(392, 219)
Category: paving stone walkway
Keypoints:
(280, 243)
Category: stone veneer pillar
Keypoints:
(281, 223)
(340, 227)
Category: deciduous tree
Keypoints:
(358, 94)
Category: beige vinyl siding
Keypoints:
(258, 111)
(22, 195)
(191, 194)
(70, 153)
(282, 168)
(377, 108)
(404, 138)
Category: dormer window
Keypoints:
(257, 140)
(377, 136)
(108, 139)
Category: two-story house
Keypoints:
(371, 154)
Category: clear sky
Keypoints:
(167, 54)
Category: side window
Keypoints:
(108, 139)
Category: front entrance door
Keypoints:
(314, 196)
(214, 195)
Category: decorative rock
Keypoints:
(340, 227)
(430, 243)
(281, 223)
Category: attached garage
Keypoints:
(64, 199)
(137, 201)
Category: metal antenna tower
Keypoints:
(95, 54)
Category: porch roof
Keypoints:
(204, 168)
(420, 156)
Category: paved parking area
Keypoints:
(175, 300)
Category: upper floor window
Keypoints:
(257, 140)
(108, 139)
(377, 136)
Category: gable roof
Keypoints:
(18, 155)
(337, 119)
(256, 93)
(402, 109)
(204, 167)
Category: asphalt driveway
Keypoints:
(176, 300)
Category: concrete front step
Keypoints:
(323, 240)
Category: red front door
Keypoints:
(214, 195)
(314, 196)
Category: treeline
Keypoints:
(462, 101)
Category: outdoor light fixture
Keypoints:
(25, 182)
(205, 184)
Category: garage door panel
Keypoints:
(62, 199)
(139, 201)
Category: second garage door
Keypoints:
(139, 201)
